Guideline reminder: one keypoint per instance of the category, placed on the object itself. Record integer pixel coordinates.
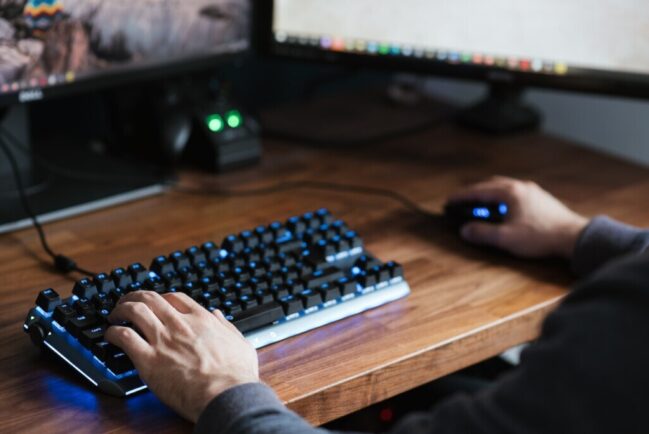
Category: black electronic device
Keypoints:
(224, 137)
(272, 282)
(57, 48)
(509, 44)
(460, 213)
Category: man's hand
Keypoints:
(538, 224)
(187, 355)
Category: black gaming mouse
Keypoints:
(460, 213)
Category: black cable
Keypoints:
(61, 262)
(317, 185)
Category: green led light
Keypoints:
(234, 119)
(384, 49)
(215, 123)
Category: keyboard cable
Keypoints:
(62, 263)
(314, 185)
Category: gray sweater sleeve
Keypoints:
(251, 408)
(604, 240)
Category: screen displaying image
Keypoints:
(604, 35)
(50, 42)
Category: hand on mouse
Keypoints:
(537, 225)
(187, 355)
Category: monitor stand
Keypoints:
(501, 112)
(64, 179)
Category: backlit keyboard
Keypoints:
(271, 282)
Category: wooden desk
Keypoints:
(467, 304)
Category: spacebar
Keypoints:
(258, 316)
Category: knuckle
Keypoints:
(138, 308)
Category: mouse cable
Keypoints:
(314, 185)
(62, 263)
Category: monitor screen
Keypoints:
(48, 44)
(548, 37)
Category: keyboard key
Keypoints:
(247, 301)
(290, 304)
(265, 236)
(288, 245)
(82, 322)
(162, 265)
(233, 243)
(154, 283)
(135, 286)
(102, 301)
(278, 230)
(195, 255)
(264, 296)
(346, 286)
(323, 276)
(365, 262)
(84, 288)
(249, 238)
(48, 299)
(329, 292)
(119, 363)
(257, 317)
(231, 307)
(103, 282)
(83, 306)
(396, 270)
(91, 336)
(310, 298)
(296, 225)
(367, 279)
(211, 250)
(103, 349)
(63, 313)
(138, 272)
(209, 284)
(180, 260)
(121, 278)
(192, 289)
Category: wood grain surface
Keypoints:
(467, 304)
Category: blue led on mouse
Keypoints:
(460, 213)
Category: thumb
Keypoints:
(484, 233)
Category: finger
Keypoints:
(181, 302)
(492, 191)
(141, 316)
(137, 349)
(485, 234)
(154, 301)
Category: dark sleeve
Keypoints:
(605, 239)
(588, 372)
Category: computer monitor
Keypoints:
(600, 46)
(54, 48)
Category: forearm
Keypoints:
(604, 240)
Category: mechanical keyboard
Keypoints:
(272, 282)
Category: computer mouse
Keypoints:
(460, 213)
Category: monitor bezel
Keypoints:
(600, 82)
